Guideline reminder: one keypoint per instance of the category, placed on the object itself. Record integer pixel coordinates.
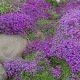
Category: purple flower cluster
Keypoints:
(37, 8)
(66, 43)
(70, 51)
(74, 77)
(44, 46)
(56, 71)
(68, 6)
(67, 39)
(69, 25)
(16, 23)
(15, 67)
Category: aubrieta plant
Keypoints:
(57, 56)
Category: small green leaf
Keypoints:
(78, 74)
(53, 2)
(4, 9)
(26, 76)
(31, 36)
(45, 64)
(43, 22)
(30, 56)
(43, 76)
(66, 73)
(51, 31)
(55, 15)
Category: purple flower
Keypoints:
(69, 26)
(68, 6)
(37, 8)
(67, 39)
(16, 23)
(56, 71)
(44, 46)
(69, 50)
(30, 67)
(74, 77)
(15, 67)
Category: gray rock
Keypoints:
(3, 75)
(11, 47)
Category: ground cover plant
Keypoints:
(52, 31)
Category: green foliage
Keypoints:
(45, 64)
(26, 76)
(66, 73)
(78, 74)
(53, 2)
(30, 36)
(40, 76)
(43, 76)
(43, 22)
(30, 56)
(4, 9)
(51, 30)
(55, 15)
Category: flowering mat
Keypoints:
(39, 39)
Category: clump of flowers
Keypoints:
(16, 23)
(62, 50)
(65, 45)
(56, 71)
(69, 25)
(16, 67)
(67, 39)
(44, 46)
(69, 5)
(38, 8)
(69, 50)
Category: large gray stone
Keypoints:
(11, 47)
(3, 75)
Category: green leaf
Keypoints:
(43, 76)
(51, 31)
(53, 2)
(43, 22)
(45, 64)
(66, 73)
(26, 76)
(4, 9)
(31, 36)
(30, 56)
(55, 15)
(78, 74)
